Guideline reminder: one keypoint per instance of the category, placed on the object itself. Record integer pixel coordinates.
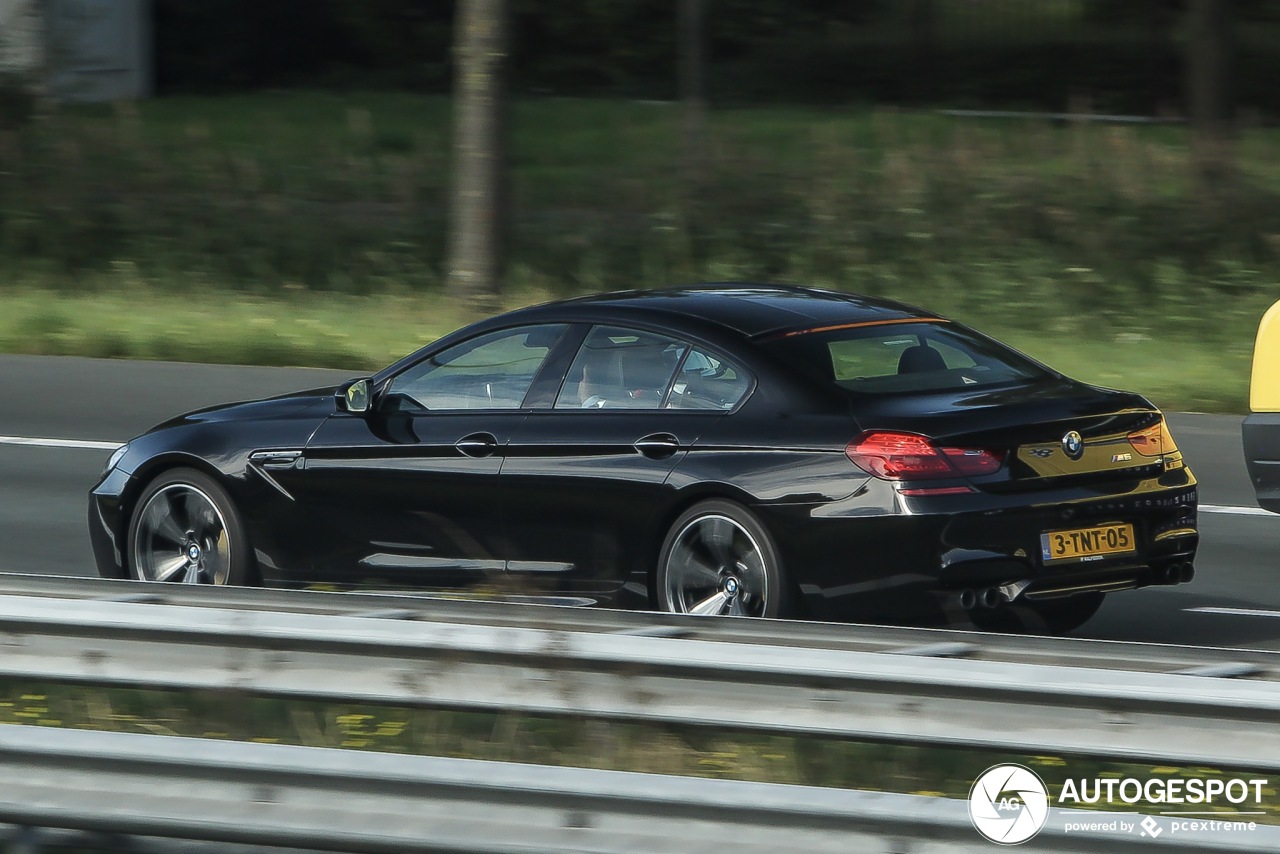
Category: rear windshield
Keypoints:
(907, 357)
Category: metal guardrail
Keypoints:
(337, 800)
(1161, 703)
(1029, 649)
(1167, 704)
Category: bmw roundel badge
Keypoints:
(1073, 445)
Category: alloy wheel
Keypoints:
(181, 536)
(716, 567)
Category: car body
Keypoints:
(1261, 428)
(759, 450)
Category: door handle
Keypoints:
(657, 446)
(477, 445)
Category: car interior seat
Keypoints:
(601, 379)
(646, 371)
(920, 358)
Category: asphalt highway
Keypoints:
(77, 409)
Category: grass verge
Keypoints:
(362, 333)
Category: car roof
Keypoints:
(750, 309)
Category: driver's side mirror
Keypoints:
(353, 396)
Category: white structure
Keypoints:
(83, 50)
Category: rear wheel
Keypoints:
(186, 529)
(718, 559)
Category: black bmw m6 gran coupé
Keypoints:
(735, 450)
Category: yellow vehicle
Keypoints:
(1262, 427)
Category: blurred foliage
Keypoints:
(17, 102)
(1166, 10)
(1046, 54)
(219, 45)
(1081, 232)
(347, 194)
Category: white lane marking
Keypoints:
(85, 444)
(1237, 612)
(1230, 510)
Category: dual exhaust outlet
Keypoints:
(992, 597)
(1177, 573)
(987, 597)
(1000, 595)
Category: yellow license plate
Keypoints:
(1084, 544)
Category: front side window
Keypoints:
(492, 371)
(621, 369)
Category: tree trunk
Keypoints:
(921, 56)
(477, 217)
(1161, 20)
(693, 95)
(1208, 85)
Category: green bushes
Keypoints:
(348, 195)
(1075, 230)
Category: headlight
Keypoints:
(115, 458)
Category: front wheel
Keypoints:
(186, 529)
(718, 559)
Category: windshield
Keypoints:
(907, 357)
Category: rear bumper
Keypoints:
(882, 556)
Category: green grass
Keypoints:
(365, 333)
(327, 330)
(309, 227)
(549, 740)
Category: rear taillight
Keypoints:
(1153, 441)
(909, 456)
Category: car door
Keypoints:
(406, 495)
(585, 478)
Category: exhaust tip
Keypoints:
(1187, 574)
(990, 597)
(968, 599)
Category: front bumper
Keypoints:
(106, 523)
(1261, 435)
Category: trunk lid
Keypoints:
(1047, 432)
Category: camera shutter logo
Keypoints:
(1009, 804)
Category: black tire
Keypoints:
(185, 528)
(1046, 617)
(718, 559)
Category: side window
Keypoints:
(707, 381)
(491, 371)
(621, 369)
(953, 356)
(914, 356)
(872, 356)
